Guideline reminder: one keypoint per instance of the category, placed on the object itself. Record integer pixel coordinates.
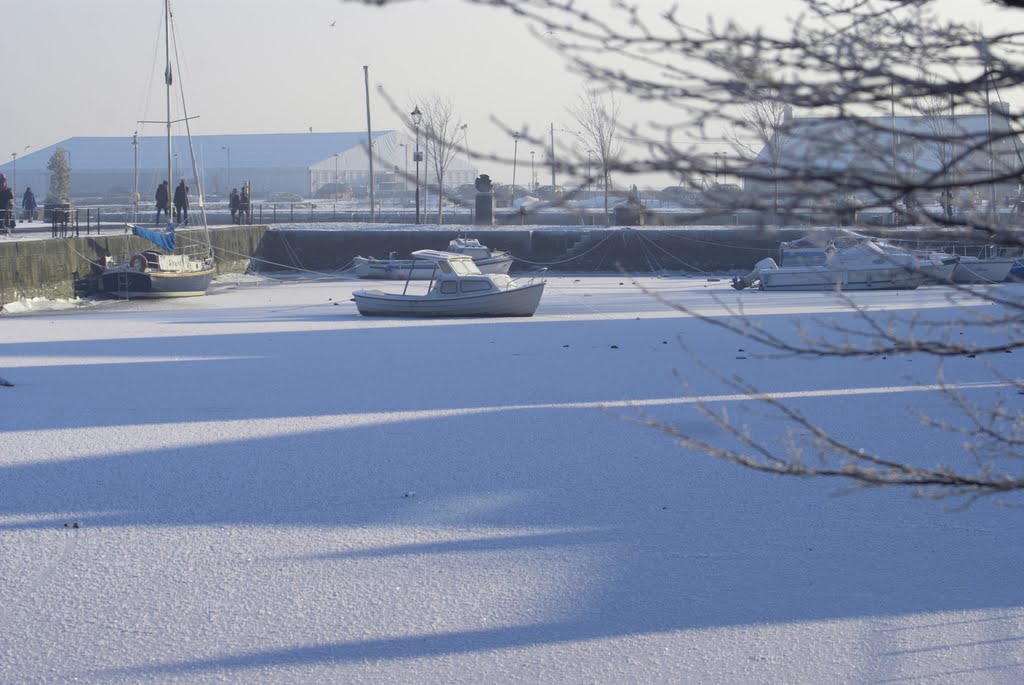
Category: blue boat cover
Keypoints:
(163, 239)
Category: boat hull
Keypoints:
(824, 278)
(994, 270)
(521, 301)
(129, 285)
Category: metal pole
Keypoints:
(533, 173)
(553, 154)
(369, 136)
(465, 140)
(135, 176)
(167, 82)
(416, 116)
(227, 149)
(515, 155)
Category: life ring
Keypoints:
(138, 262)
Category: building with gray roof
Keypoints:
(296, 163)
(874, 158)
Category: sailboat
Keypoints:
(163, 273)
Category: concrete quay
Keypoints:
(41, 266)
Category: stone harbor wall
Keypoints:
(51, 267)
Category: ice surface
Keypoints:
(269, 488)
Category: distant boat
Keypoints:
(395, 269)
(150, 273)
(852, 262)
(458, 289)
(971, 269)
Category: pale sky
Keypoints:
(85, 67)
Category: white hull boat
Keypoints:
(861, 265)
(458, 289)
(394, 269)
(982, 269)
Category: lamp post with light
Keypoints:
(405, 176)
(227, 148)
(336, 177)
(417, 156)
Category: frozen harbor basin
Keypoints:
(262, 486)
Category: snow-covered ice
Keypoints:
(269, 488)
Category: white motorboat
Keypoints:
(487, 260)
(458, 288)
(848, 264)
(971, 269)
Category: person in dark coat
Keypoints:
(243, 208)
(181, 203)
(6, 205)
(233, 204)
(28, 205)
(162, 200)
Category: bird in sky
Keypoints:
(333, 23)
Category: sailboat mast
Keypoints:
(167, 83)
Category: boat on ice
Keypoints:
(984, 268)
(848, 262)
(153, 274)
(458, 288)
(395, 269)
(150, 273)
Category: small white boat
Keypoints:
(982, 269)
(395, 269)
(458, 288)
(860, 264)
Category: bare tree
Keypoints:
(854, 69)
(441, 129)
(936, 111)
(764, 120)
(598, 119)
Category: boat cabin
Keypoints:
(458, 274)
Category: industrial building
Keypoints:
(106, 168)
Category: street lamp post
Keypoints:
(553, 184)
(515, 156)
(465, 141)
(227, 148)
(14, 171)
(336, 177)
(405, 176)
(417, 156)
(716, 167)
(533, 173)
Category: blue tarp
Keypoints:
(162, 239)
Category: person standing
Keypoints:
(243, 207)
(162, 199)
(233, 202)
(6, 205)
(28, 205)
(181, 203)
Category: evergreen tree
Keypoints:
(60, 177)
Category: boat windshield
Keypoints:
(464, 267)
